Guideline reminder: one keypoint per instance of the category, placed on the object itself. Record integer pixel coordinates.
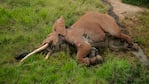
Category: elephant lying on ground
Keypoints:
(93, 30)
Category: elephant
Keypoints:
(91, 31)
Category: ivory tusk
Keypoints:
(47, 56)
(35, 51)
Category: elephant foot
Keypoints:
(134, 47)
(96, 60)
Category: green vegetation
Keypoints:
(144, 3)
(25, 23)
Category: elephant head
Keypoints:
(54, 41)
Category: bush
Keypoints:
(144, 3)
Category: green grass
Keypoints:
(25, 23)
(144, 3)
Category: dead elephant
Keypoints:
(92, 30)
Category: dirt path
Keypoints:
(124, 10)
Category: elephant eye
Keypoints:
(59, 35)
(54, 29)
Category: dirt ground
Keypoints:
(125, 10)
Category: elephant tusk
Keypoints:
(47, 56)
(35, 51)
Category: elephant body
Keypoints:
(93, 30)
(90, 29)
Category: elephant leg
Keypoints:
(126, 37)
(93, 52)
(94, 56)
(96, 60)
(83, 49)
(129, 40)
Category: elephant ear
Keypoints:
(59, 26)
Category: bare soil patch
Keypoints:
(125, 10)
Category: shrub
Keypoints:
(144, 3)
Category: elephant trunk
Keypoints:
(141, 56)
